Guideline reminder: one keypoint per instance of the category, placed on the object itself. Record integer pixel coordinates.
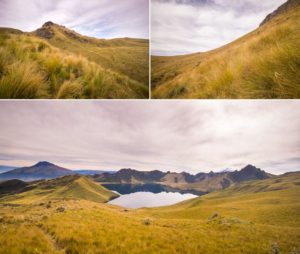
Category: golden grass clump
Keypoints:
(56, 73)
(22, 80)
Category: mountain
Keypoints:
(41, 170)
(92, 172)
(56, 62)
(68, 187)
(128, 175)
(6, 168)
(263, 64)
(204, 182)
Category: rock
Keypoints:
(214, 216)
(60, 209)
(45, 33)
(147, 221)
(49, 23)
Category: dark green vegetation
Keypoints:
(263, 64)
(260, 216)
(55, 62)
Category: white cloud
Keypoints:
(180, 27)
(99, 18)
(166, 135)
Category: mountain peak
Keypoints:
(48, 23)
(43, 164)
(250, 168)
(281, 9)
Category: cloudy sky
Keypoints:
(187, 26)
(167, 135)
(97, 18)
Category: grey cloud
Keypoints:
(167, 135)
(186, 26)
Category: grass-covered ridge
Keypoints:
(33, 67)
(263, 64)
(71, 187)
(253, 217)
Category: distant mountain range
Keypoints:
(92, 172)
(262, 64)
(204, 182)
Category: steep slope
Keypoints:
(64, 188)
(261, 64)
(41, 170)
(55, 62)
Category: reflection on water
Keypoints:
(148, 195)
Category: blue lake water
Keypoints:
(147, 195)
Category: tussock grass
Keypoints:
(262, 64)
(22, 80)
(32, 68)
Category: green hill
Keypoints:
(262, 64)
(259, 216)
(63, 188)
(55, 62)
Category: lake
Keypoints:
(148, 195)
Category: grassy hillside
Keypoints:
(68, 67)
(63, 188)
(253, 217)
(263, 64)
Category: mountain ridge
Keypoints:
(204, 182)
(281, 9)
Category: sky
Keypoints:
(188, 26)
(96, 18)
(191, 136)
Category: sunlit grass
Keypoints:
(262, 64)
(32, 68)
(250, 217)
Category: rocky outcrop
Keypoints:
(46, 31)
(281, 9)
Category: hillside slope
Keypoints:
(55, 62)
(254, 217)
(262, 64)
(64, 188)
